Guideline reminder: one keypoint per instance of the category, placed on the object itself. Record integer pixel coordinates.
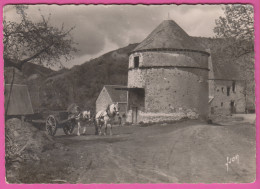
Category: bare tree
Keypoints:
(38, 42)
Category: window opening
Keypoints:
(228, 91)
(136, 61)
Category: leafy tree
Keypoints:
(238, 22)
(237, 26)
(38, 42)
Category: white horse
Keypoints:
(106, 117)
(79, 117)
(84, 117)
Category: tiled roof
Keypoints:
(116, 93)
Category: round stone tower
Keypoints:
(167, 77)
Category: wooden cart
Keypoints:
(60, 119)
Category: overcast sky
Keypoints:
(102, 28)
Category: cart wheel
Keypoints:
(51, 125)
(68, 128)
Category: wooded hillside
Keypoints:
(56, 90)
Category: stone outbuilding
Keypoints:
(167, 77)
(227, 93)
(112, 94)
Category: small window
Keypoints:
(234, 86)
(136, 61)
(221, 104)
(222, 89)
(228, 91)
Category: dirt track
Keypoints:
(186, 152)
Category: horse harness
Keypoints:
(101, 117)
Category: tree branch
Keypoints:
(34, 56)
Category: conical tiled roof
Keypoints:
(168, 35)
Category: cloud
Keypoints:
(101, 28)
(85, 57)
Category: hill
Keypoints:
(82, 84)
(30, 68)
(29, 72)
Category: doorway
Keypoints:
(134, 114)
(232, 107)
(136, 99)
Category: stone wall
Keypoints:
(168, 90)
(170, 58)
(221, 104)
(162, 117)
(103, 100)
(171, 92)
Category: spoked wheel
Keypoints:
(68, 128)
(51, 125)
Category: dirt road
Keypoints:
(185, 152)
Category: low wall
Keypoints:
(161, 117)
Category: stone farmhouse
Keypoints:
(226, 90)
